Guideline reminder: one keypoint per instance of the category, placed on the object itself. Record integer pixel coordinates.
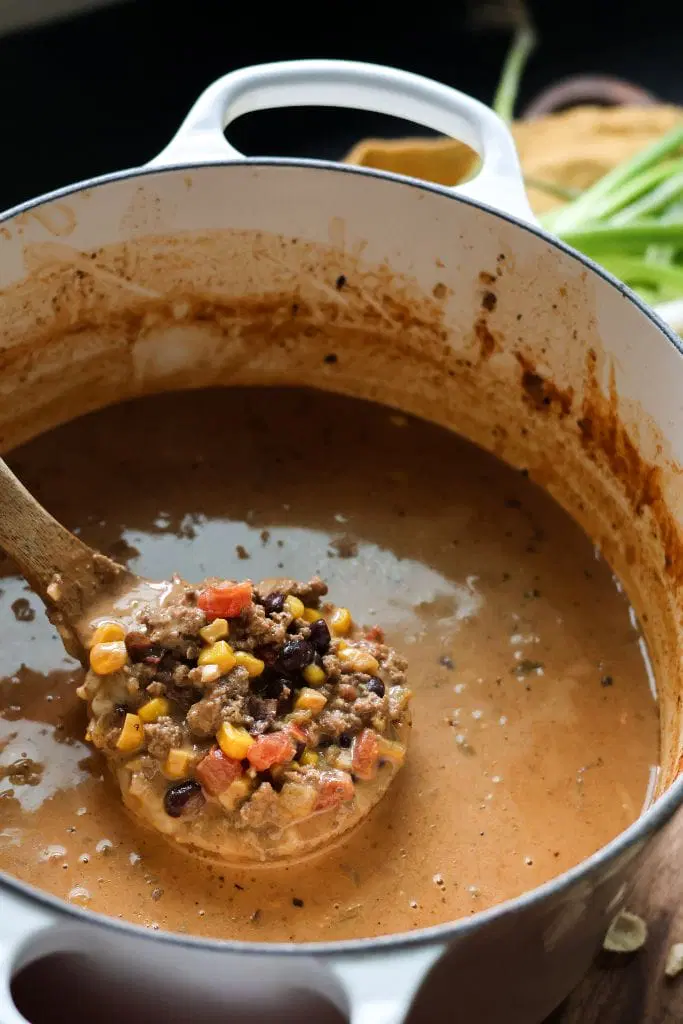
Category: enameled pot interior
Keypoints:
(507, 340)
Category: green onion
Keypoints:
(631, 220)
(505, 98)
(587, 206)
(551, 189)
(622, 237)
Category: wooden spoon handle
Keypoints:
(67, 574)
(38, 544)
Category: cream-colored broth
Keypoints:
(535, 728)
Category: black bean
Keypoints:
(273, 603)
(295, 655)
(276, 781)
(269, 684)
(168, 662)
(183, 796)
(345, 740)
(285, 702)
(319, 635)
(376, 686)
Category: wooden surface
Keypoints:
(632, 989)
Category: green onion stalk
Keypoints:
(630, 220)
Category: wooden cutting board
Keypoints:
(632, 989)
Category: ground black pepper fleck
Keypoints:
(526, 666)
(22, 610)
(331, 358)
(447, 662)
(606, 681)
(297, 902)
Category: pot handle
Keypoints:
(382, 991)
(23, 924)
(339, 83)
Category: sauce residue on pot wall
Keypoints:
(535, 730)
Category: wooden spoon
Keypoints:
(71, 579)
(65, 573)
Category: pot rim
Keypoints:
(644, 827)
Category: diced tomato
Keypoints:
(271, 749)
(226, 600)
(216, 771)
(376, 634)
(365, 754)
(335, 788)
(297, 733)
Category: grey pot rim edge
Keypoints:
(642, 829)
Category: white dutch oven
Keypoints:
(206, 267)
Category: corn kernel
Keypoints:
(234, 741)
(236, 793)
(294, 606)
(107, 632)
(108, 657)
(314, 675)
(155, 708)
(309, 757)
(178, 763)
(311, 614)
(340, 622)
(220, 654)
(355, 659)
(390, 751)
(310, 700)
(254, 666)
(216, 630)
(131, 735)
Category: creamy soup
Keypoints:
(535, 734)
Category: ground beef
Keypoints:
(226, 702)
(262, 709)
(276, 697)
(393, 665)
(161, 735)
(332, 667)
(263, 810)
(310, 593)
(331, 724)
(367, 706)
(175, 626)
(256, 629)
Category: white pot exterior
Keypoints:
(419, 266)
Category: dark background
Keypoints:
(104, 91)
